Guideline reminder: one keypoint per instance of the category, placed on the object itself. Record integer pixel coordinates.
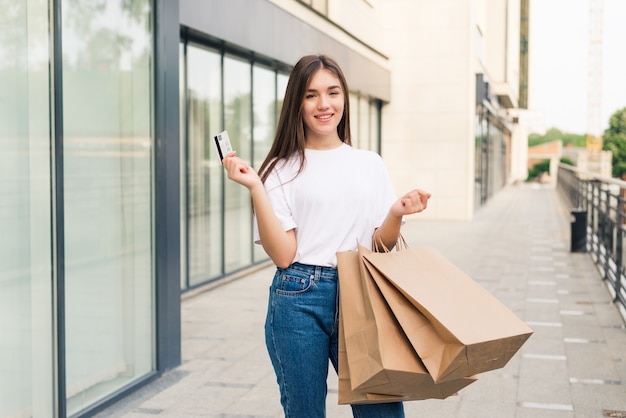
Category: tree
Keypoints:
(554, 134)
(615, 141)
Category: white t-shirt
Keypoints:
(340, 198)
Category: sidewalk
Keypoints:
(517, 247)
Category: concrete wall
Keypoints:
(428, 126)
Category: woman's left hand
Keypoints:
(414, 201)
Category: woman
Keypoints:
(315, 196)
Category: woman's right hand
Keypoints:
(279, 244)
(239, 171)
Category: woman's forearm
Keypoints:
(279, 244)
(387, 233)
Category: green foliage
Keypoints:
(615, 141)
(544, 167)
(538, 169)
(554, 134)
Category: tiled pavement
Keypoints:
(517, 247)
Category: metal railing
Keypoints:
(601, 199)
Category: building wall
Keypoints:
(519, 153)
(549, 150)
(502, 28)
(428, 124)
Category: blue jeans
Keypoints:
(301, 333)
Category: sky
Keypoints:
(558, 57)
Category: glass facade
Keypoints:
(492, 159)
(26, 285)
(481, 174)
(76, 211)
(203, 119)
(237, 76)
(222, 92)
(365, 122)
(107, 183)
(268, 89)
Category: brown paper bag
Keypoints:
(377, 363)
(465, 329)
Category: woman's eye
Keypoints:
(310, 96)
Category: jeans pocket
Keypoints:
(293, 282)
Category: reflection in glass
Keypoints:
(252, 97)
(364, 120)
(264, 122)
(374, 130)
(26, 331)
(480, 151)
(364, 123)
(281, 87)
(204, 172)
(237, 205)
(354, 120)
(264, 112)
(107, 107)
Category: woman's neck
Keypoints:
(323, 143)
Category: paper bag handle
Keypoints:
(401, 244)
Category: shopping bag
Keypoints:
(377, 363)
(346, 394)
(465, 330)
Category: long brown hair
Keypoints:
(289, 138)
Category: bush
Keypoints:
(538, 169)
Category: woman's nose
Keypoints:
(323, 102)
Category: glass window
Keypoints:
(107, 108)
(223, 92)
(237, 204)
(364, 123)
(355, 134)
(26, 342)
(204, 172)
(264, 116)
(374, 129)
(480, 148)
(264, 123)
(281, 88)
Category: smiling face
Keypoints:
(322, 108)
